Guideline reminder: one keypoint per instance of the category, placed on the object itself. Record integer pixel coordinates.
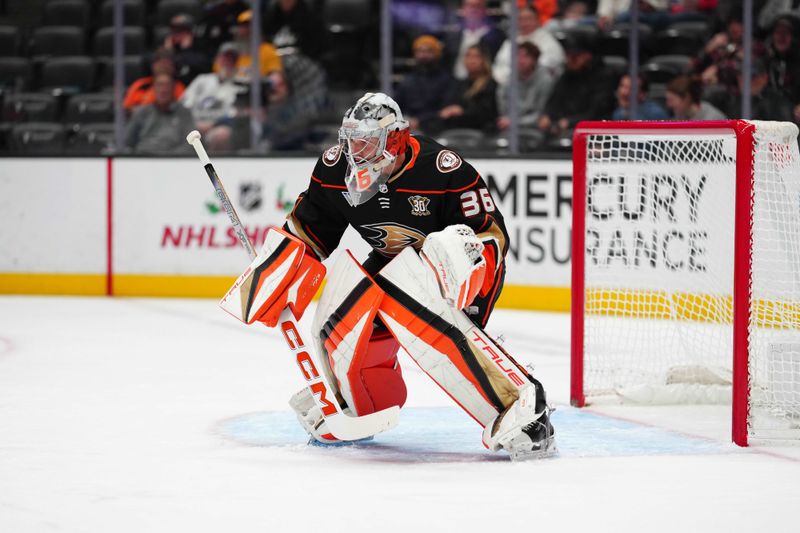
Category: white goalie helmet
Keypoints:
(372, 135)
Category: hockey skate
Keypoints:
(310, 417)
(523, 429)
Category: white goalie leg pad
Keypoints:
(447, 345)
(343, 320)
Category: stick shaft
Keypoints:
(227, 205)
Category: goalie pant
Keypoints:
(361, 321)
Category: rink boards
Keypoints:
(154, 227)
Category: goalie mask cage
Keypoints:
(686, 269)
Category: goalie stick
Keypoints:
(340, 425)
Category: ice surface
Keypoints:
(134, 415)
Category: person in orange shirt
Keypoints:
(142, 92)
(269, 59)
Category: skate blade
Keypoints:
(521, 454)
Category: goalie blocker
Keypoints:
(361, 322)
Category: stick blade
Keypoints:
(345, 427)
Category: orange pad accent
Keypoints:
(491, 269)
(378, 382)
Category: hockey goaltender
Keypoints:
(429, 284)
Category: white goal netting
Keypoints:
(659, 263)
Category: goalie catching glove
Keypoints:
(283, 273)
(457, 257)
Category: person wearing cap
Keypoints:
(292, 26)
(783, 57)
(269, 60)
(766, 103)
(551, 53)
(585, 91)
(212, 99)
(190, 58)
(423, 91)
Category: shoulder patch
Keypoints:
(447, 161)
(331, 156)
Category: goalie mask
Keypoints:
(372, 135)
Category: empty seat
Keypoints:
(616, 41)
(673, 41)
(661, 69)
(167, 9)
(133, 41)
(617, 64)
(9, 40)
(132, 66)
(91, 139)
(462, 138)
(66, 13)
(15, 72)
(133, 13)
(58, 41)
(89, 108)
(27, 107)
(37, 138)
(68, 74)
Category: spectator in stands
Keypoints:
(535, 86)
(531, 31)
(477, 28)
(584, 91)
(647, 109)
(160, 127)
(212, 99)
(291, 24)
(717, 62)
(142, 91)
(422, 92)
(218, 21)
(269, 59)
(472, 102)
(190, 58)
(684, 99)
(767, 103)
(783, 57)
(546, 9)
(296, 97)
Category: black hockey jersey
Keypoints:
(435, 188)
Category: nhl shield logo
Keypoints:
(419, 205)
(250, 195)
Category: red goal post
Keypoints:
(685, 266)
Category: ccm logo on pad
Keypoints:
(308, 368)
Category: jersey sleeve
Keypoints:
(469, 202)
(314, 219)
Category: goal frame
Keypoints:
(742, 261)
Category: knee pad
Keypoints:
(377, 382)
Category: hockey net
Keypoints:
(686, 269)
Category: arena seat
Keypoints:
(58, 41)
(67, 13)
(133, 13)
(35, 107)
(133, 37)
(70, 75)
(37, 138)
(462, 138)
(89, 108)
(16, 72)
(9, 40)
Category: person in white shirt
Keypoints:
(212, 99)
(551, 56)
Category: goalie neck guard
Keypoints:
(373, 134)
